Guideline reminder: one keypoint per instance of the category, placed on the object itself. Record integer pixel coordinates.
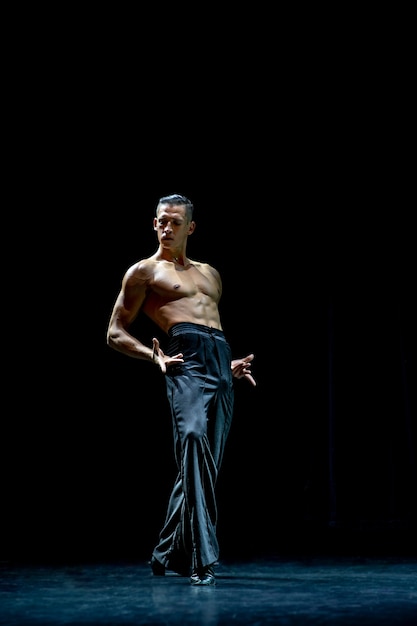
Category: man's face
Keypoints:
(171, 224)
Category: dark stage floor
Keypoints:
(301, 591)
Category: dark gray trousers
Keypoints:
(201, 397)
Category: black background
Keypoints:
(301, 182)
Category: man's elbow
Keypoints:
(111, 338)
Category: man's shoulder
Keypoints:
(201, 264)
(149, 261)
(142, 267)
(207, 269)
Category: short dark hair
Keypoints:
(176, 198)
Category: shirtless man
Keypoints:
(181, 297)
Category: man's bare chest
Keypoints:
(182, 281)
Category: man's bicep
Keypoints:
(131, 299)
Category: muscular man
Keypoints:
(181, 297)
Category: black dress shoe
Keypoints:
(157, 568)
(204, 576)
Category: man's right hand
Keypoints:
(163, 361)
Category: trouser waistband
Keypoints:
(189, 327)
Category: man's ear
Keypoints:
(191, 227)
(155, 223)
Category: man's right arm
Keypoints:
(126, 308)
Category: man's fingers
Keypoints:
(251, 379)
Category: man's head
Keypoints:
(173, 222)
